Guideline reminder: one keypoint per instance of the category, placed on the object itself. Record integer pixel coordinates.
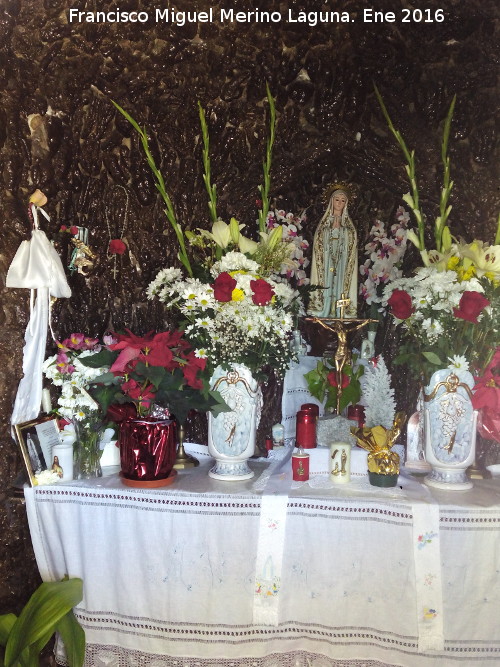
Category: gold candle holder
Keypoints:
(184, 460)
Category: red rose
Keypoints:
(470, 306)
(400, 304)
(262, 292)
(223, 287)
(116, 247)
(74, 230)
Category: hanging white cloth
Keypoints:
(36, 266)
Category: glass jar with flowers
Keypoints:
(67, 371)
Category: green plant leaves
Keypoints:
(433, 358)
(6, 623)
(103, 358)
(73, 637)
(39, 619)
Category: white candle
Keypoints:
(62, 461)
(340, 462)
(46, 402)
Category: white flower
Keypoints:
(234, 261)
(433, 328)
(46, 477)
(164, 277)
(458, 362)
(201, 353)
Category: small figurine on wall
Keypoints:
(334, 264)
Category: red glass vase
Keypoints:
(147, 449)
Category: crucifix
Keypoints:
(341, 326)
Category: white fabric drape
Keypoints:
(36, 266)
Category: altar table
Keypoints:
(208, 573)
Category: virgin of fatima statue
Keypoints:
(334, 263)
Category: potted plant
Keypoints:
(49, 610)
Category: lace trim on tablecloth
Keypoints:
(112, 656)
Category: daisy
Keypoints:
(458, 362)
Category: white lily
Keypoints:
(485, 257)
(246, 245)
(234, 230)
(221, 233)
(273, 238)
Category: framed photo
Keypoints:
(36, 439)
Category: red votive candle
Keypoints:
(305, 429)
(311, 407)
(269, 444)
(300, 467)
(357, 414)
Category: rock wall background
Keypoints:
(59, 132)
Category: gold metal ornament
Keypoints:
(348, 188)
(378, 441)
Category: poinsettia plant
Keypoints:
(486, 399)
(323, 384)
(157, 369)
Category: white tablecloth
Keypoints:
(175, 577)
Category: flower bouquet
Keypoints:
(238, 304)
(67, 371)
(239, 317)
(450, 313)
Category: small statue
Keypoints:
(82, 258)
(334, 264)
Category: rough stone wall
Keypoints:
(59, 132)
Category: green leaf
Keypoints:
(433, 358)
(73, 636)
(103, 358)
(219, 404)
(106, 378)
(155, 374)
(6, 623)
(41, 614)
(106, 395)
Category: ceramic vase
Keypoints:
(231, 435)
(449, 429)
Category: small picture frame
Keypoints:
(36, 439)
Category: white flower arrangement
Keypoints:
(45, 477)
(66, 371)
(445, 318)
(239, 318)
